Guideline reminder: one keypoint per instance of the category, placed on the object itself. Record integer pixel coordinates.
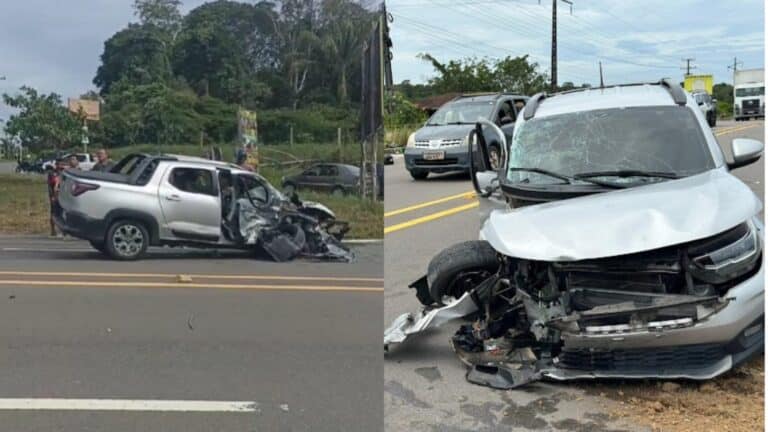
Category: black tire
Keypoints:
(127, 240)
(289, 188)
(419, 174)
(494, 155)
(98, 245)
(338, 191)
(458, 268)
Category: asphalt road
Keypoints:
(424, 382)
(290, 346)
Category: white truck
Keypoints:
(86, 161)
(748, 94)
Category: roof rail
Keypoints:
(677, 93)
(533, 104)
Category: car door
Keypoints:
(189, 199)
(309, 176)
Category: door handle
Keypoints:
(173, 197)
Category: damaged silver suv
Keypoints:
(618, 245)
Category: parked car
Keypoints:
(441, 144)
(335, 178)
(179, 200)
(85, 159)
(618, 245)
(707, 105)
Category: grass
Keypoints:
(25, 208)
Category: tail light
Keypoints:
(79, 188)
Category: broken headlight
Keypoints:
(728, 261)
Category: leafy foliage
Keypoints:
(510, 74)
(174, 79)
(43, 122)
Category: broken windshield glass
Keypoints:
(665, 139)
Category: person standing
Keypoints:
(54, 182)
(103, 162)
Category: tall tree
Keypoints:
(136, 54)
(43, 122)
(163, 14)
(345, 28)
(222, 47)
(510, 74)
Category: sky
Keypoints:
(635, 40)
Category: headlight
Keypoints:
(730, 261)
(411, 140)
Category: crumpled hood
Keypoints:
(443, 132)
(624, 221)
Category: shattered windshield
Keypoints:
(461, 112)
(651, 139)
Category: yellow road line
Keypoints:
(736, 129)
(111, 284)
(193, 276)
(430, 217)
(467, 195)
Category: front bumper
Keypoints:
(456, 159)
(80, 225)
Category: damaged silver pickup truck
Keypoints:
(186, 201)
(617, 244)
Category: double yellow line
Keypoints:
(430, 217)
(68, 279)
(736, 129)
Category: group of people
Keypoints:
(103, 164)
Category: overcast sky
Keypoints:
(636, 40)
(54, 45)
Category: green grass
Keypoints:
(25, 208)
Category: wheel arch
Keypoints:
(149, 221)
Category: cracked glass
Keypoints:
(661, 139)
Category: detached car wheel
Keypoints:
(459, 268)
(418, 174)
(127, 240)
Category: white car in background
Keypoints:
(86, 161)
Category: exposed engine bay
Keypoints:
(255, 214)
(621, 316)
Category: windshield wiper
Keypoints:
(627, 173)
(552, 174)
(566, 179)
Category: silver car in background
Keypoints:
(441, 144)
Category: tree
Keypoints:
(136, 54)
(163, 14)
(42, 122)
(222, 47)
(510, 74)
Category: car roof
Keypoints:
(605, 98)
(485, 97)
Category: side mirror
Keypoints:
(745, 151)
(482, 174)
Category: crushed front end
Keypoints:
(686, 311)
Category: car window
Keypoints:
(656, 138)
(461, 112)
(257, 191)
(314, 171)
(329, 170)
(193, 180)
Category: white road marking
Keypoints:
(127, 405)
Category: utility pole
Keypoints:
(554, 40)
(688, 66)
(601, 74)
(735, 65)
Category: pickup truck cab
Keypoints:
(177, 200)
